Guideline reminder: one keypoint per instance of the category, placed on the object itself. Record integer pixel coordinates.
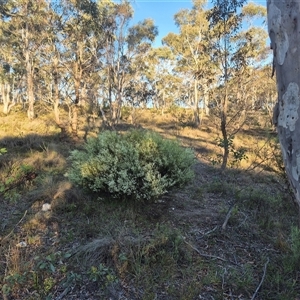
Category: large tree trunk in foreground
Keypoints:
(284, 31)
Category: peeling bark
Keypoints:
(284, 32)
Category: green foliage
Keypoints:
(139, 165)
(160, 258)
(102, 273)
(41, 277)
(292, 260)
(2, 151)
(12, 280)
(237, 155)
(220, 187)
(11, 178)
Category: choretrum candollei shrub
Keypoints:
(139, 165)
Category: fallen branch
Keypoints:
(262, 280)
(205, 255)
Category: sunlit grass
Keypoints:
(174, 248)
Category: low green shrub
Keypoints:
(139, 165)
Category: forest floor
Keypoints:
(227, 235)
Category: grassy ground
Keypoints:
(230, 235)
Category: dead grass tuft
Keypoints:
(46, 160)
(94, 252)
(89, 247)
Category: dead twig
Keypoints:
(63, 294)
(205, 255)
(231, 208)
(262, 280)
(228, 215)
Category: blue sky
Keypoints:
(162, 12)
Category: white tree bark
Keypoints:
(284, 32)
(6, 98)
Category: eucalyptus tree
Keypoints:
(160, 75)
(190, 47)
(233, 50)
(265, 91)
(6, 60)
(125, 50)
(23, 23)
(6, 87)
(283, 26)
(84, 27)
(5, 66)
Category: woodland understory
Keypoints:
(226, 235)
(72, 70)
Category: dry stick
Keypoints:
(63, 294)
(262, 280)
(231, 209)
(209, 232)
(205, 255)
(228, 215)
(14, 228)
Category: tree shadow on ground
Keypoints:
(259, 133)
(108, 232)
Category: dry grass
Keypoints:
(91, 248)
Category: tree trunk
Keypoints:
(284, 31)
(205, 104)
(74, 122)
(225, 142)
(29, 76)
(224, 102)
(7, 103)
(196, 106)
(30, 94)
(55, 98)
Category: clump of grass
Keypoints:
(282, 280)
(220, 187)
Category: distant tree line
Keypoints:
(86, 55)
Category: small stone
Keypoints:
(21, 245)
(46, 207)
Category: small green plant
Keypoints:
(12, 280)
(46, 270)
(139, 165)
(102, 273)
(72, 278)
(237, 155)
(2, 151)
(47, 264)
(49, 283)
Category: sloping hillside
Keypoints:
(227, 235)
